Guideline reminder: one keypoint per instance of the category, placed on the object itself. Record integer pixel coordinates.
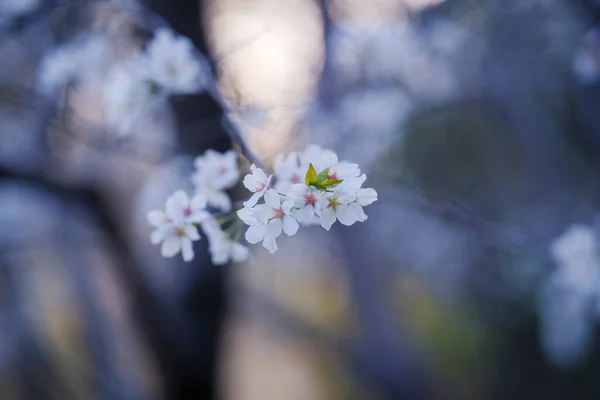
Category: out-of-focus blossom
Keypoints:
(569, 299)
(216, 172)
(128, 97)
(74, 62)
(221, 246)
(586, 63)
(173, 65)
(175, 226)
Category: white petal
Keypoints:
(274, 228)
(199, 216)
(187, 250)
(305, 214)
(327, 218)
(260, 175)
(272, 198)
(270, 244)
(170, 247)
(250, 182)
(192, 233)
(290, 225)
(220, 199)
(157, 236)
(359, 211)
(287, 206)
(251, 202)
(255, 234)
(156, 217)
(198, 202)
(246, 215)
(347, 215)
(366, 196)
(239, 253)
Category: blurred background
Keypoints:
(476, 275)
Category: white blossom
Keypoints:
(319, 157)
(268, 220)
(175, 225)
(220, 246)
(337, 206)
(287, 172)
(216, 172)
(172, 64)
(306, 200)
(258, 182)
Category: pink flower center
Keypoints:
(222, 171)
(295, 178)
(279, 213)
(260, 187)
(187, 212)
(333, 176)
(310, 199)
(169, 220)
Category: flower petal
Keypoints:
(255, 234)
(156, 217)
(239, 252)
(270, 244)
(170, 247)
(327, 218)
(290, 225)
(251, 202)
(250, 182)
(366, 196)
(192, 233)
(272, 198)
(199, 202)
(287, 206)
(347, 215)
(187, 249)
(274, 228)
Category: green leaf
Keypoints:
(331, 182)
(323, 175)
(311, 176)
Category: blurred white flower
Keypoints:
(216, 172)
(569, 299)
(258, 182)
(220, 246)
(175, 225)
(319, 157)
(287, 171)
(83, 58)
(129, 96)
(172, 63)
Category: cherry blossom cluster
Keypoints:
(168, 66)
(307, 188)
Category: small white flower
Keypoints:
(268, 220)
(338, 206)
(343, 171)
(287, 172)
(306, 200)
(216, 172)
(221, 248)
(257, 182)
(172, 63)
(174, 226)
